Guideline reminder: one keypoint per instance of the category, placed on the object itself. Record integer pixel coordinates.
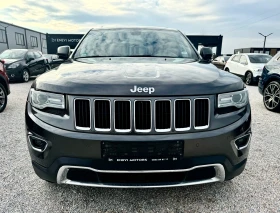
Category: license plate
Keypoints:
(159, 151)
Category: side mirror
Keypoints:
(206, 54)
(63, 52)
(30, 59)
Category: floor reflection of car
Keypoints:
(52, 60)
(20, 64)
(220, 61)
(269, 84)
(248, 66)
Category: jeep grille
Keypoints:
(125, 115)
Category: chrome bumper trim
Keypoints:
(62, 177)
(247, 144)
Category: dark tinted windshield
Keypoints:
(135, 43)
(13, 54)
(263, 59)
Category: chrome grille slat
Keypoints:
(182, 114)
(201, 113)
(102, 115)
(162, 115)
(82, 114)
(141, 115)
(122, 119)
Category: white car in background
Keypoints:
(248, 66)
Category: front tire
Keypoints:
(271, 96)
(249, 78)
(25, 75)
(3, 98)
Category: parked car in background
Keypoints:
(4, 87)
(20, 64)
(269, 84)
(248, 66)
(52, 60)
(220, 61)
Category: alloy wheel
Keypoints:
(25, 75)
(248, 79)
(272, 96)
(2, 98)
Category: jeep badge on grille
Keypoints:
(149, 90)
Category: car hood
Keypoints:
(116, 77)
(10, 61)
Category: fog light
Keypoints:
(37, 144)
(13, 75)
(242, 142)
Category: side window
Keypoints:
(2, 36)
(37, 55)
(236, 58)
(34, 42)
(20, 39)
(30, 55)
(217, 59)
(243, 60)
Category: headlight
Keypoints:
(238, 99)
(43, 100)
(258, 70)
(13, 65)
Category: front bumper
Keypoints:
(15, 74)
(69, 152)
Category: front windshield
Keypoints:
(261, 59)
(135, 43)
(13, 54)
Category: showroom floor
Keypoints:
(256, 190)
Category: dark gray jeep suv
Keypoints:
(137, 107)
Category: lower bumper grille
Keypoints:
(86, 176)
